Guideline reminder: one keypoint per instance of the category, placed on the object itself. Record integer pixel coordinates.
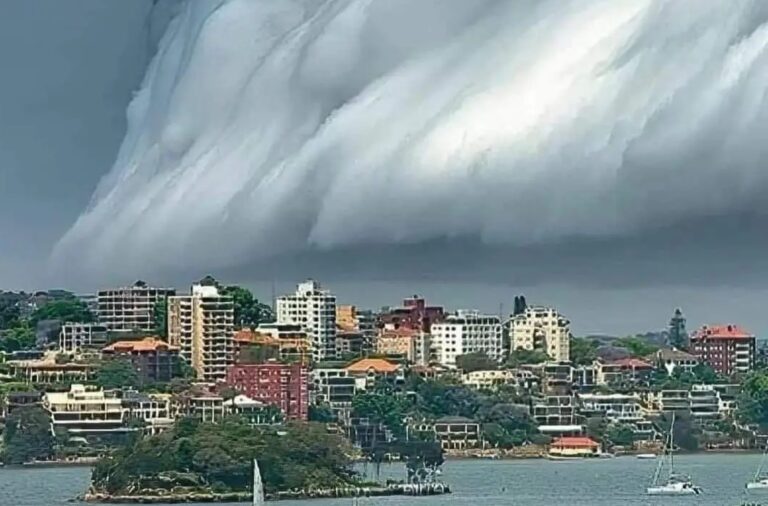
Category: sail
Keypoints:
(258, 486)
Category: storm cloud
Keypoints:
(268, 129)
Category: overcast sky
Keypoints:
(469, 159)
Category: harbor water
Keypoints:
(609, 482)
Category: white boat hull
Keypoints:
(674, 489)
(758, 485)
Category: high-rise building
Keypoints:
(131, 308)
(75, 337)
(202, 326)
(467, 332)
(314, 308)
(544, 329)
(413, 315)
(728, 349)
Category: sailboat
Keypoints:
(258, 485)
(760, 481)
(675, 484)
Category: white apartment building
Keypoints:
(86, 412)
(74, 337)
(466, 332)
(541, 328)
(130, 308)
(490, 380)
(314, 309)
(202, 326)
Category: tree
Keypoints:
(21, 337)
(27, 436)
(117, 373)
(321, 413)
(583, 351)
(521, 356)
(678, 335)
(68, 309)
(160, 316)
(249, 312)
(637, 346)
(620, 434)
(477, 361)
(388, 410)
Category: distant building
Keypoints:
(458, 433)
(413, 315)
(285, 342)
(357, 321)
(202, 326)
(256, 412)
(370, 371)
(352, 344)
(16, 400)
(281, 385)
(467, 332)
(314, 308)
(671, 359)
(76, 337)
(623, 371)
(491, 380)
(131, 308)
(334, 387)
(153, 409)
(618, 408)
(155, 361)
(728, 349)
(574, 447)
(48, 370)
(400, 343)
(205, 406)
(544, 329)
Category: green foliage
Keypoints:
(753, 401)
(583, 351)
(597, 427)
(388, 410)
(20, 337)
(249, 312)
(620, 434)
(687, 432)
(521, 356)
(681, 379)
(69, 309)
(636, 346)
(299, 456)
(27, 436)
(678, 336)
(321, 413)
(160, 316)
(117, 373)
(478, 361)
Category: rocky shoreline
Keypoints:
(164, 497)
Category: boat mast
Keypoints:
(672, 445)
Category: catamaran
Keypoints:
(760, 481)
(258, 485)
(675, 484)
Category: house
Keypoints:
(257, 412)
(574, 447)
(623, 371)
(489, 380)
(48, 370)
(458, 433)
(672, 359)
(87, 412)
(153, 409)
(368, 371)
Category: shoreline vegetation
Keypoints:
(202, 462)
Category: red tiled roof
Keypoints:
(377, 364)
(722, 332)
(634, 363)
(146, 344)
(574, 442)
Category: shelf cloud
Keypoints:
(266, 128)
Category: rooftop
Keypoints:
(729, 331)
(378, 365)
(574, 442)
(634, 363)
(143, 345)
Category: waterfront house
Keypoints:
(458, 433)
(87, 413)
(574, 447)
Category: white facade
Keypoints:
(541, 328)
(202, 326)
(314, 309)
(466, 332)
(73, 337)
(130, 308)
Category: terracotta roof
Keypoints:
(722, 332)
(634, 363)
(574, 442)
(377, 364)
(245, 336)
(146, 344)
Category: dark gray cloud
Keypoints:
(612, 149)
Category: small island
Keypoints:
(203, 462)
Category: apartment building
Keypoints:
(491, 380)
(414, 314)
(728, 349)
(353, 319)
(153, 409)
(333, 387)
(155, 361)
(282, 385)
(86, 412)
(130, 308)
(288, 343)
(467, 332)
(77, 337)
(544, 329)
(314, 308)
(202, 326)
(618, 408)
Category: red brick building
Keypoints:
(281, 385)
(414, 315)
(154, 359)
(729, 349)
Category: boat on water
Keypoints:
(760, 480)
(674, 483)
(646, 456)
(258, 485)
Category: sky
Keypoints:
(604, 157)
